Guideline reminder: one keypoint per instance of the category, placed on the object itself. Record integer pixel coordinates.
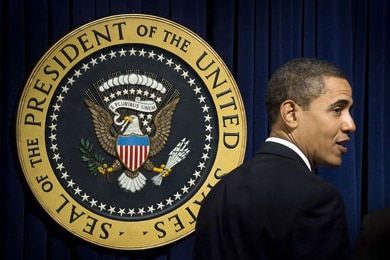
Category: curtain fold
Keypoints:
(378, 190)
(253, 37)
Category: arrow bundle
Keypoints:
(178, 154)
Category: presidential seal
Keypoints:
(124, 126)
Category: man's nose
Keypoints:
(348, 125)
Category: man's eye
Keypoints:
(337, 110)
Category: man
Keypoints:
(274, 206)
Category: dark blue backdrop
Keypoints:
(253, 38)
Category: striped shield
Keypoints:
(133, 150)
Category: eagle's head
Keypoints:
(131, 125)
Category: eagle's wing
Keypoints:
(102, 122)
(162, 121)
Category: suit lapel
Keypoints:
(280, 150)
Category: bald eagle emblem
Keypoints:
(118, 129)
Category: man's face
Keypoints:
(325, 126)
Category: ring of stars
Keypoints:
(76, 189)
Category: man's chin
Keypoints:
(336, 164)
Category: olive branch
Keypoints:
(93, 160)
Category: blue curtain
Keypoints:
(253, 37)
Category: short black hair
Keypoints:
(300, 80)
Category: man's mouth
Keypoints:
(341, 145)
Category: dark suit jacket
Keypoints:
(374, 239)
(272, 207)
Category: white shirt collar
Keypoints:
(291, 146)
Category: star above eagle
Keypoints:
(111, 130)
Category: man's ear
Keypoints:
(288, 113)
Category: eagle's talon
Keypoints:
(166, 172)
(163, 172)
(102, 169)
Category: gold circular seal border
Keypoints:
(38, 93)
